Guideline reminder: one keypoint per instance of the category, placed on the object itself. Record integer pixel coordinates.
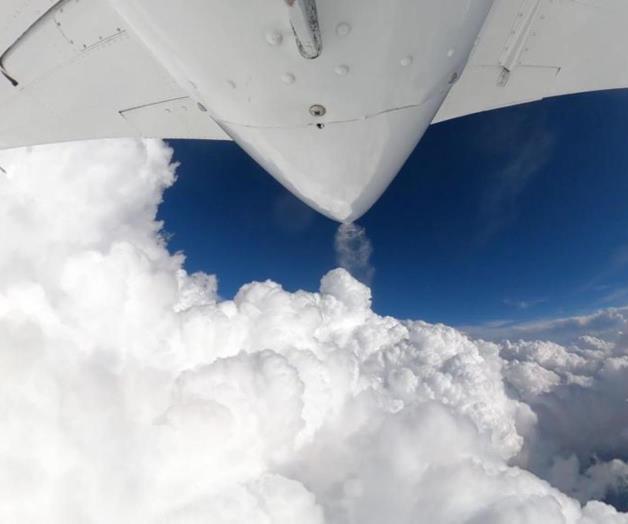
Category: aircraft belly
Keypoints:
(316, 124)
(342, 169)
(242, 61)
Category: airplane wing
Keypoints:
(66, 76)
(534, 49)
(336, 130)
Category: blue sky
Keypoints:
(515, 214)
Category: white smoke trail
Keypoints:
(129, 392)
(354, 251)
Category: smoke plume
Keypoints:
(353, 251)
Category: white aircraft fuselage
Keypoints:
(334, 126)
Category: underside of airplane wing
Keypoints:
(73, 70)
(534, 49)
(329, 96)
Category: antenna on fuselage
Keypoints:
(304, 21)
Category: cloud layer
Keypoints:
(609, 325)
(129, 392)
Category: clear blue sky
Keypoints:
(513, 214)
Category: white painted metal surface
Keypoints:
(568, 46)
(383, 73)
(17, 15)
(335, 129)
(78, 70)
(340, 170)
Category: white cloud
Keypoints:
(130, 392)
(608, 325)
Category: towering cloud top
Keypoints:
(129, 392)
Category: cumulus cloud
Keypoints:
(130, 392)
(354, 251)
(608, 325)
